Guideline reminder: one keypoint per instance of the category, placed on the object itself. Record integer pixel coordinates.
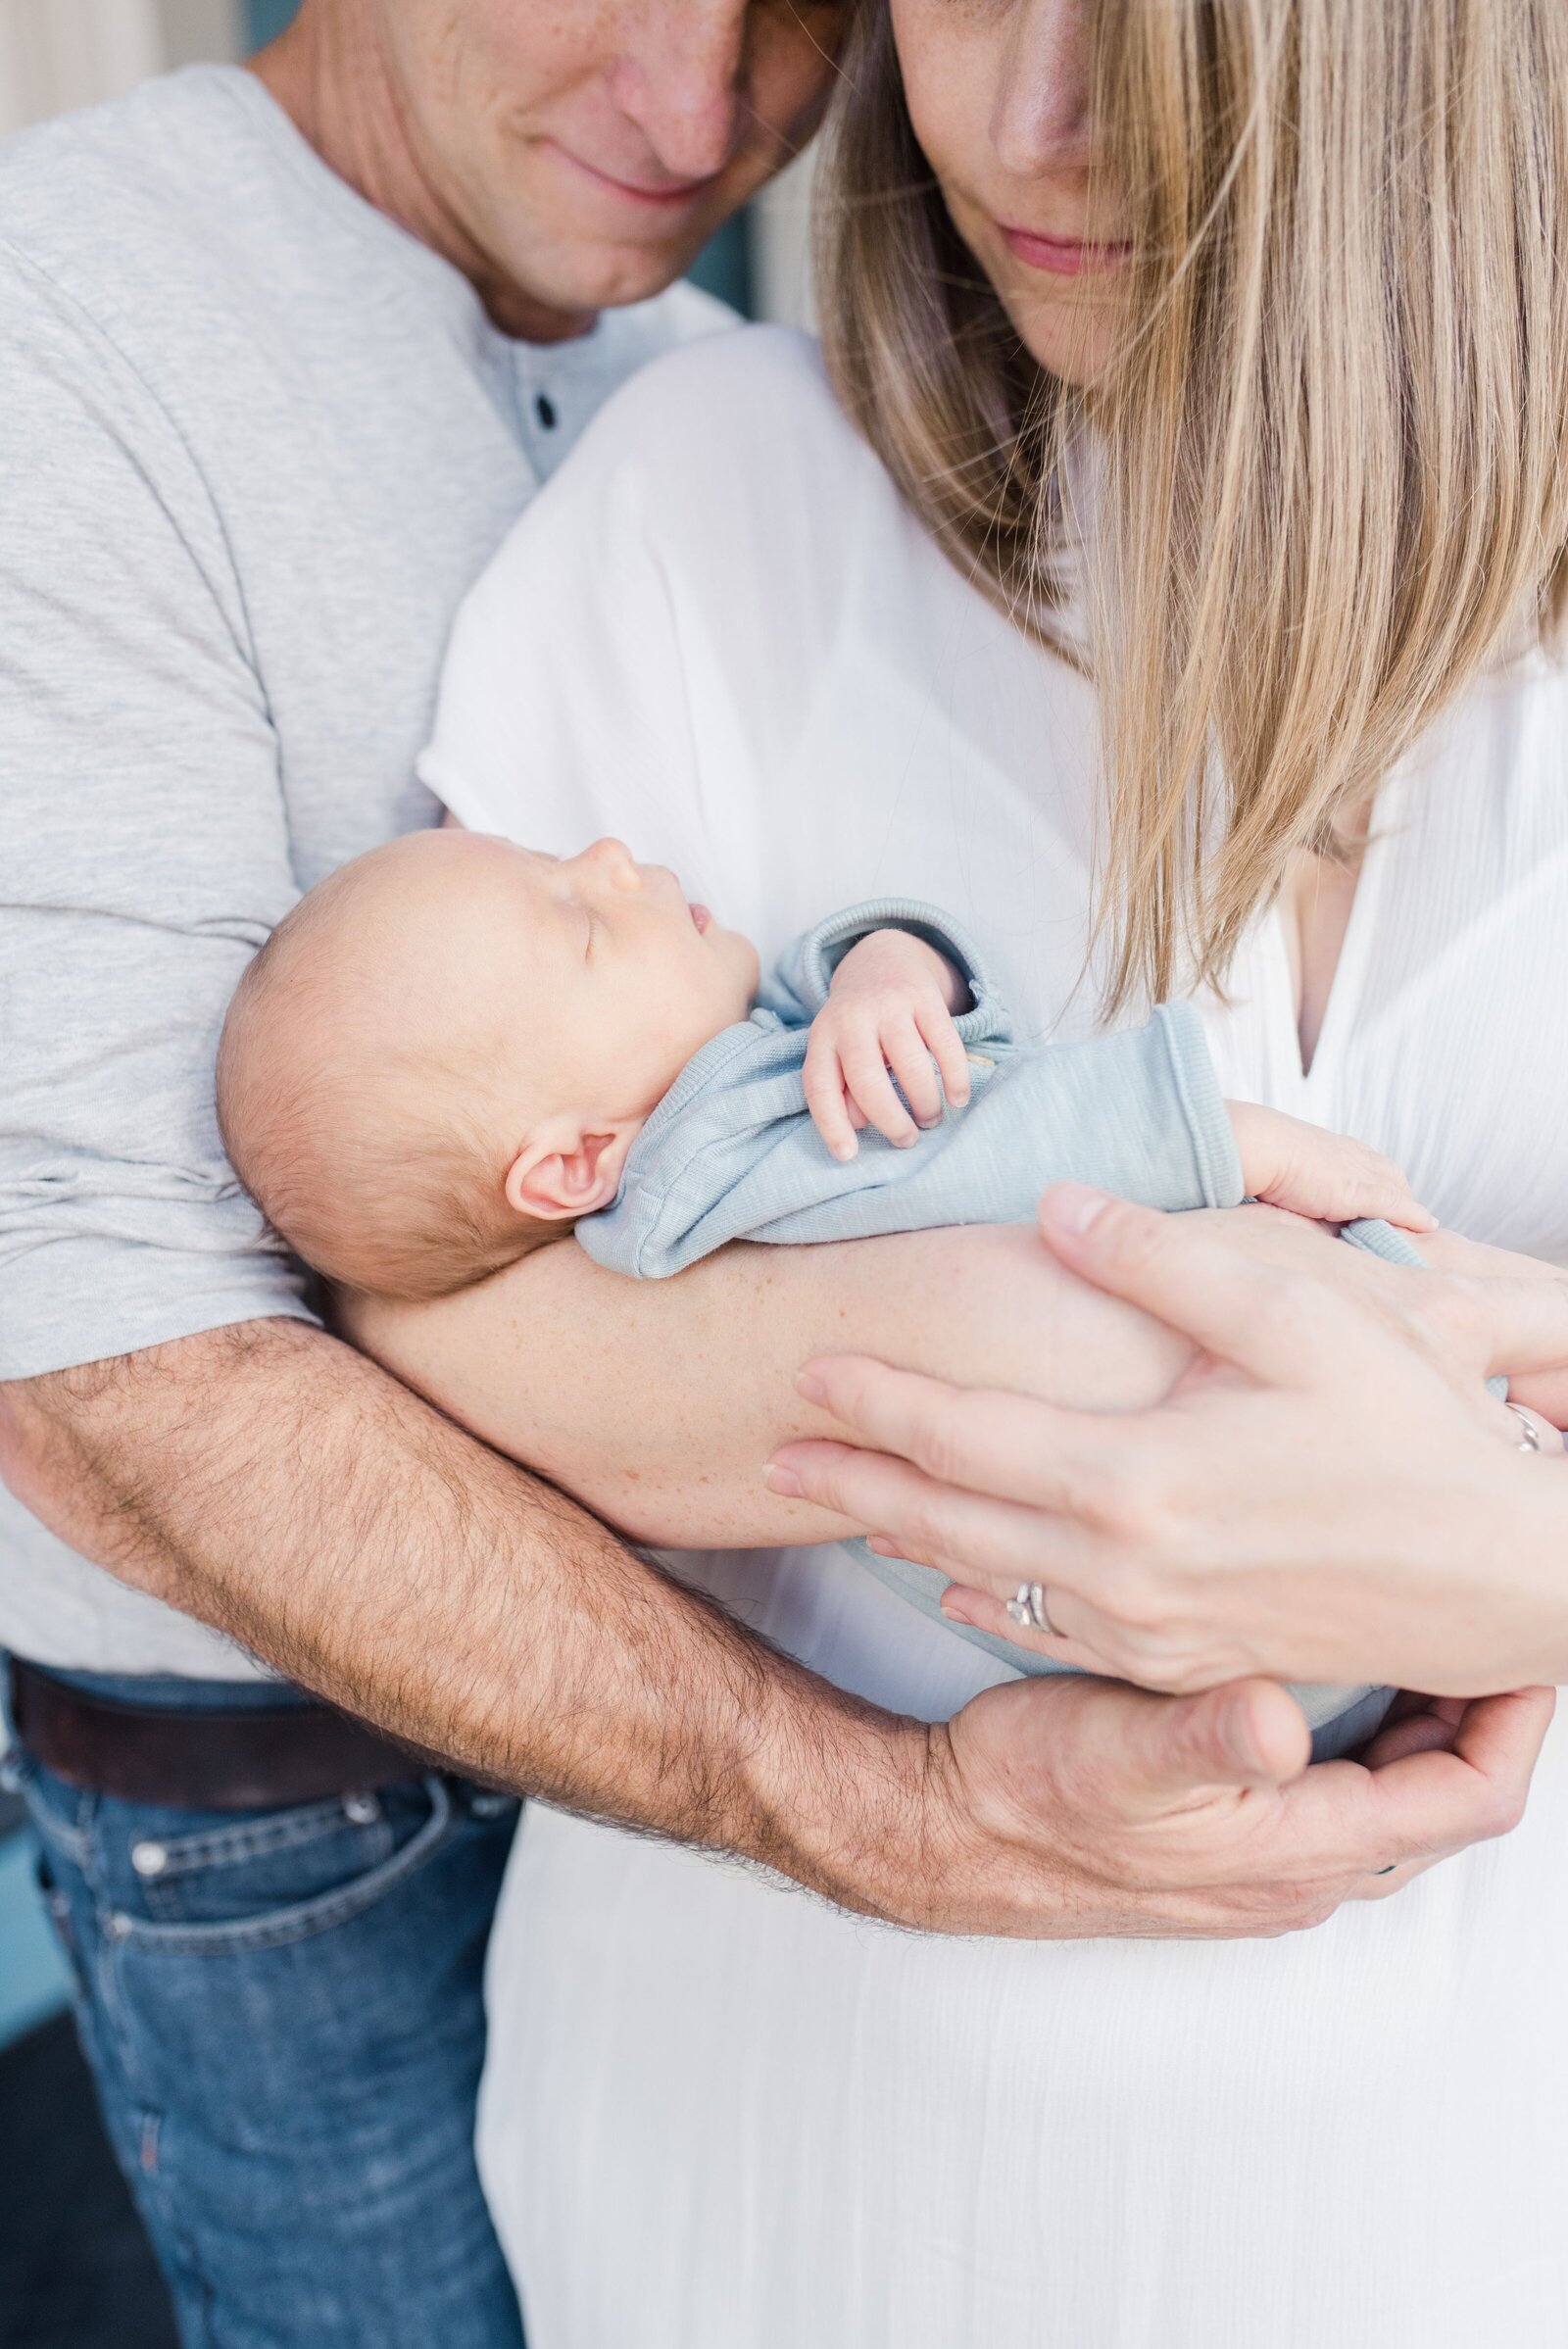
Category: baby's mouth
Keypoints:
(702, 919)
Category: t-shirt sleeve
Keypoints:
(143, 858)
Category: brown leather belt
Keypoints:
(246, 1759)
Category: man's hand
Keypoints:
(889, 1010)
(1119, 1813)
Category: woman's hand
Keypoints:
(1328, 1495)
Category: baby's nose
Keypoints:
(615, 862)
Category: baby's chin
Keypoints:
(748, 969)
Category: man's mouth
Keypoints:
(666, 197)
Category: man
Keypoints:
(282, 355)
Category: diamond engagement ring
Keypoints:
(1027, 1607)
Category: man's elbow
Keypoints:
(41, 1450)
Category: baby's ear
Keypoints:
(560, 1174)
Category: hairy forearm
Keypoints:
(273, 1482)
(658, 1402)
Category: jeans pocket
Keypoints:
(261, 1881)
(229, 1870)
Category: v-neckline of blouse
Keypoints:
(1346, 983)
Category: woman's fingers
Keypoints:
(1525, 1328)
(1000, 1542)
(1515, 1307)
(980, 1438)
(1286, 1329)
(1085, 1638)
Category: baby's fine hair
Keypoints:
(366, 1148)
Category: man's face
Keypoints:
(587, 149)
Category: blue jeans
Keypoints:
(283, 2013)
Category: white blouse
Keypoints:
(717, 2114)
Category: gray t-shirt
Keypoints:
(255, 443)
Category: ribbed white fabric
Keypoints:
(717, 2116)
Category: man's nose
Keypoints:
(681, 79)
(1041, 119)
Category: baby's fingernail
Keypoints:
(782, 1481)
(812, 1387)
(844, 1151)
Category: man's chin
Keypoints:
(577, 280)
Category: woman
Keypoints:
(1242, 426)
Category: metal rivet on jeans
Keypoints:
(361, 1810)
(149, 1859)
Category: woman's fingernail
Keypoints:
(882, 1545)
(782, 1481)
(1072, 1206)
(807, 1384)
(954, 1612)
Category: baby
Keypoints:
(456, 1050)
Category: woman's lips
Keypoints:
(1062, 256)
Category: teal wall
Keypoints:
(264, 19)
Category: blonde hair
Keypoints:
(1335, 481)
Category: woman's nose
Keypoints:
(1041, 119)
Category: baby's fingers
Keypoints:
(866, 1078)
(823, 1077)
(909, 1057)
(1380, 1188)
(946, 1047)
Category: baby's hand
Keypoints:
(1312, 1172)
(890, 1008)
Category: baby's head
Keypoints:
(444, 1053)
